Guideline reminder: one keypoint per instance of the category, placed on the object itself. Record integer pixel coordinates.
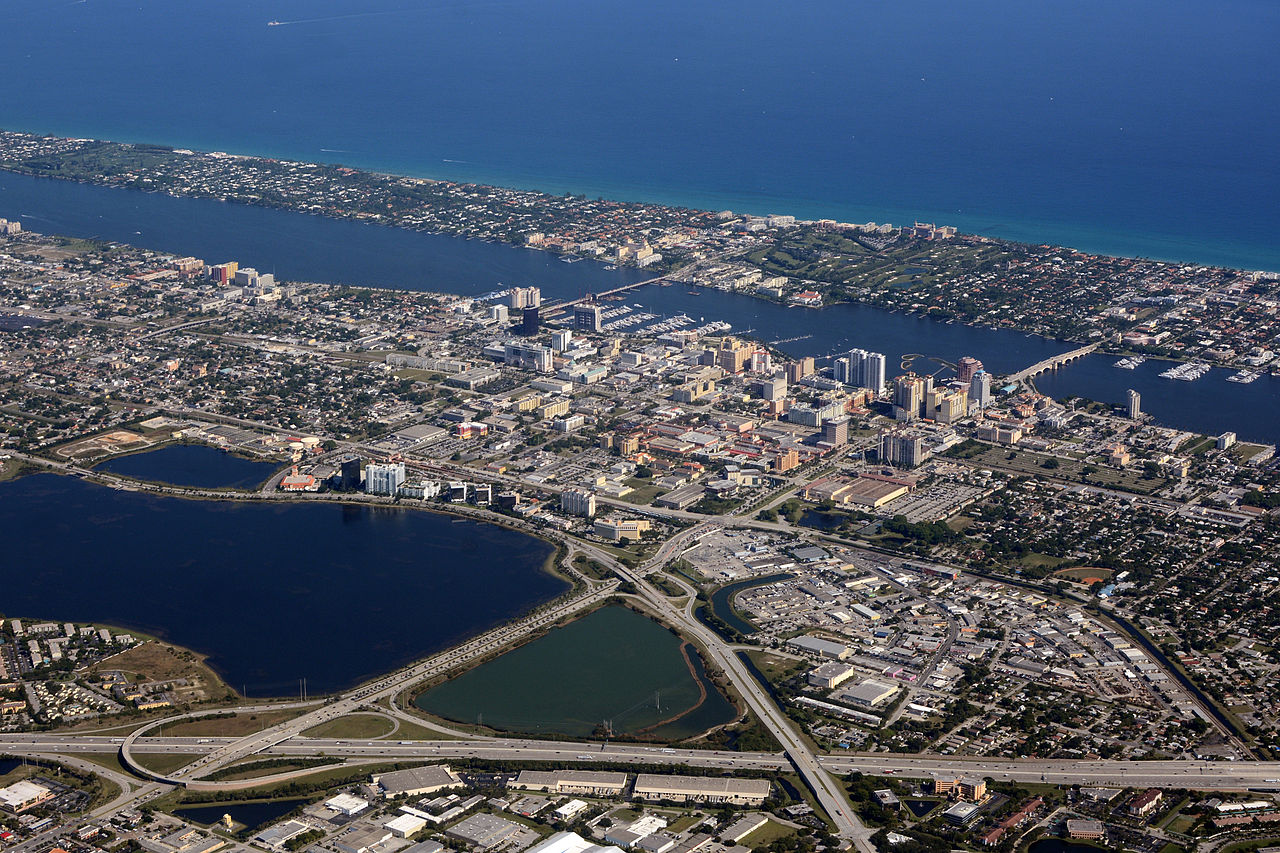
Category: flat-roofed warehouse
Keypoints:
(589, 782)
(483, 830)
(702, 789)
(416, 780)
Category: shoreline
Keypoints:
(548, 565)
(432, 207)
(991, 226)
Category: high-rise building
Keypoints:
(865, 370)
(499, 313)
(761, 361)
(529, 320)
(908, 396)
(799, 369)
(774, 388)
(587, 317)
(840, 370)
(1134, 408)
(383, 479)
(947, 406)
(903, 448)
(980, 389)
(578, 502)
(349, 474)
(732, 355)
(967, 367)
(524, 297)
(560, 339)
(835, 431)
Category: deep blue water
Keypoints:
(1133, 128)
(193, 465)
(272, 593)
(296, 246)
(252, 815)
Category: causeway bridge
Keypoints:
(1051, 363)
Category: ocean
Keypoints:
(1137, 128)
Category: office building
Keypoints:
(349, 474)
(702, 789)
(578, 502)
(733, 355)
(774, 388)
(967, 367)
(561, 339)
(836, 431)
(947, 406)
(1133, 405)
(530, 320)
(499, 313)
(383, 479)
(528, 356)
(980, 389)
(588, 317)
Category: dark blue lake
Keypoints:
(252, 815)
(271, 593)
(195, 465)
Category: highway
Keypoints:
(486, 644)
(1206, 775)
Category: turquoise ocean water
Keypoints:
(1138, 128)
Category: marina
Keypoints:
(1131, 362)
(1245, 377)
(1188, 372)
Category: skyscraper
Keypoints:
(967, 367)
(908, 396)
(383, 479)
(980, 389)
(587, 317)
(1134, 408)
(865, 370)
(529, 321)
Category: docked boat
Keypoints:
(1130, 362)
(1244, 376)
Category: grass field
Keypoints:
(353, 726)
(766, 835)
(157, 661)
(162, 762)
(237, 726)
(1071, 470)
(109, 760)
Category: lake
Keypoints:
(613, 664)
(252, 815)
(195, 465)
(335, 593)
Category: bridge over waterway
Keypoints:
(1051, 363)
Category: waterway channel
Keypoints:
(301, 247)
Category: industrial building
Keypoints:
(483, 831)
(702, 789)
(589, 783)
(415, 781)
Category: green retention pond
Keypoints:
(611, 665)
